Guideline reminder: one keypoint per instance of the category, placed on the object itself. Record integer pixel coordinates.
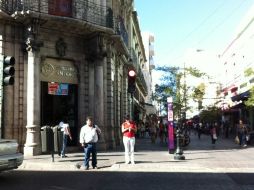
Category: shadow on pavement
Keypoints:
(96, 180)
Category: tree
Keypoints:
(173, 84)
(250, 102)
(198, 94)
(211, 114)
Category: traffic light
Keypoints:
(8, 70)
(131, 81)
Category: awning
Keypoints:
(242, 96)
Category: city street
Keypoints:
(225, 166)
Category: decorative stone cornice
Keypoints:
(96, 48)
(32, 31)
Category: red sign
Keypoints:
(60, 7)
(52, 88)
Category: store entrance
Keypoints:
(58, 107)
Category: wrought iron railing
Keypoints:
(121, 30)
(137, 67)
(77, 9)
(134, 58)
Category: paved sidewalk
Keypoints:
(200, 156)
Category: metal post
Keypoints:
(179, 151)
(132, 107)
(1, 94)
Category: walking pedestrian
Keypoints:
(213, 133)
(241, 131)
(129, 129)
(66, 133)
(199, 128)
(88, 139)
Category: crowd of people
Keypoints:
(152, 128)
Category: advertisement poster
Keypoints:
(58, 89)
(171, 144)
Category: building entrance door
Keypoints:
(60, 106)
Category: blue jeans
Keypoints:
(64, 144)
(88, 149)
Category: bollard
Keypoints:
(179, 151)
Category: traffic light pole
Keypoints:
(7, 71)
(1, 94)
(132, 107)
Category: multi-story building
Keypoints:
(72, 58)
(148, 41)
(237, 59)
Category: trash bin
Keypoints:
(46, 139)
(58, 139)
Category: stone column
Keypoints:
(33, 145)
(99, 93)
(91, 89)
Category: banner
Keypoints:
(58, 89)
(171, 144)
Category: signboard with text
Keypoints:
(171, 144)
(58, 89)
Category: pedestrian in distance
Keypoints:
(199, 128)
(241, 131)
(129, 129)
(213, 133)
(88, 139)
(66, 133)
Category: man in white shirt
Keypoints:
(88, 139)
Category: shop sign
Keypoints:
(58, 89)
(59, 71)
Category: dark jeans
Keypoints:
(88, 149)
(242, 138)
(64, 144)
(213, 140)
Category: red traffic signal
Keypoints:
(131, 73)
(131, 81)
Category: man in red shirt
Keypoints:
(129, 129)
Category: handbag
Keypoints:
(214, 136)
(237, 141)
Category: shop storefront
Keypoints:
(59, 93)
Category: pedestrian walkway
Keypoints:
(201, 156)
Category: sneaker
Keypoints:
(126, 163)
(132, 163)
(95, 167)
(245, 145)
(64, 156)
(84, 167)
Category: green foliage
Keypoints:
(211, 114)
(248, 72)
(250, 101)
(199, 92)
(173, 86)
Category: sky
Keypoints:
(181, 27)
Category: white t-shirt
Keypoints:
(89, 134)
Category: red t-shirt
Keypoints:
(131, 125)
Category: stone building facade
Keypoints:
(72, 58)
